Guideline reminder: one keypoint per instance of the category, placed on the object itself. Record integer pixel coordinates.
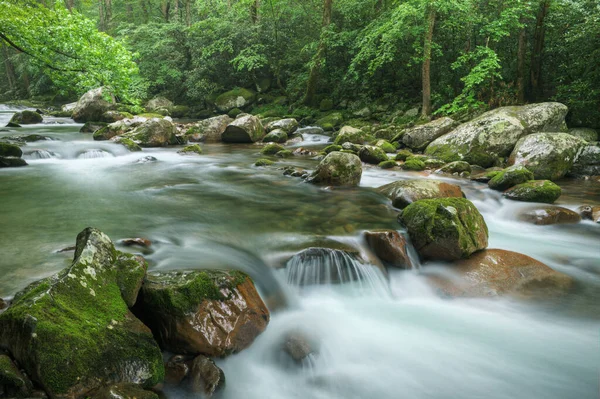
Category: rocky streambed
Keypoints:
(348, 264)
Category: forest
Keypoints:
(448, 57)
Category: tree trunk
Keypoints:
(101, 16)
(313, 77)
(188, 12)
(254, 11)
(144, 11)
(426, 72)
(175, 10)
(521, 67)
(10, 70)
(70, 4)
(165, 8)
(538, 49)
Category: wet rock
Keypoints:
(371, 154)
(177, 369)
(3, 304)
(304, 152)
(389, 164)
(26, 117)
(534, 191)
(386, 146)
(338, 169)
(587, 162)
(331, 121)
(206, 377)
(12, 162)
(10, 150)
(263, 162)
(122, 391)
(510, 177)
(12, 381)
(405, 192)
(73, 332)
(414, 164)
(208, 130)
(419, 137)
(309, 130)
(456, 167)
(288, 125)
(496, 272)
(272, 149)
(276, 136)
(141, 242)
(245, 129)
(587, 134)
(237, 98)
(349, 134)
(390, 247)
(118, 128)
(30, 138)
(297, 346)
(549, 156)
(127, 142)
(152, 133)
(445, 228)
(295, 172)
(92, 127)
(146, 159)
(190, 150)
(67, 249)
(91, 106)
(589, 212)
(550, 215)
(115, 116)
(495, 133)
(208, 312)
(12, 124)
(487, 175)
(403, 155)
(354, 148)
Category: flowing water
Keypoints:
(390, 338)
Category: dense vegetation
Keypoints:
(451, 56)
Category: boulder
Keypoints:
(414, 164)
(496, 272)
(114, 116)
(371, 154)
(118, 128)
(236, 98)
(390, 247)
(349, 134)
(206, 377)
(92, 127)
(510, 177)
(386, 146)
(122, 391)
(91, 106)
(419, 137)
(158, 103)
(389, 164)
(12, 382)
(177, 368)
(549, 215)
(209, 312)
(495, 133)
(445, 228)
(263, 162)
(456, 167)
(276, 136)
(587, 162)
(10, 150)
(534, 191)
(590, 212)
(12, 162)
(297, 346)
(272, 149)
(245, 129)
(152, 133)
(73, 332)
(68, 107)
(405, 192)
(26, 117)
(331, 121)
(548, 155)
(208, 130)
(338, 169)
(584, 133)
(191, 149)
(288, 125)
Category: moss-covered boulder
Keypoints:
(263, 162)
(153, 133)
(236, 98)
(456, 167)
(509, 177)
(122, 391)
(445, 228)
(158, 103)
(91, 106)
(386, 146)
(191, 149)
(128, 143)
(276, 136)
(73, 332)
(209, 312)
(338, 169)
(245, 129)
(26, 117)
(371, 154)
(349, 134)
(496, 272)
(403, 155)
(534, 191)
(419, 137)
(118, 128)
(10, 150)
(584, 133)
(288, 125)
(587, 162)
(208, 130)
(271, 149)
(330, 121)
(548, 155)
(13, 384)
(495, 133)
(547, 215)
(114, 116)
(389, 164)
(405, 192)
(414, 164)
(92, 127)
(284, 154)
(12, 162)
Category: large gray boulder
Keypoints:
(208, 130)
(584, 133)
(349, 134)
(338, 169)
(91, 106)
(26, 117)
(419, 137)
(495, 133)
(158, 103)
(154, 132)
(288, 125)
(245, 129)
(236, 98)
(548, 155)
(587, 162)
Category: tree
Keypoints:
(313, 77)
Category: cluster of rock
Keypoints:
(98, 328)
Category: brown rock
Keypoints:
(390, 247)
(176, 369)
(3, 305)
(297, 346)
(550, 215)
(405, 192)
(142, 242)
(590, 212)
(206, 377)
(496, 272)
(123, 391)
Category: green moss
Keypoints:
(456, 167)
(403, 155)
(149, 115)
(234, 112)
(387, 164)
(332, 148)
(387, 147)
(263, 162)
(271, 149)
(131, 272)
(10, 150)
(331, 121)
(543, 191)
(191, 149)
(414, 164)
(130, 144)
(510, 177)
(270, 111)
(284, 154)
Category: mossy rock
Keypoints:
(371, 154)
(332, 148)
(153, 133)
(263, 162)
(457, 167)
(534, 191)
(338, 168)
(433, 163)
(413, 164)
(150, 115)
(26, 117)
(349, 134)
(92, 127)
(403, 155)
(284, 154)
(113, 116)
(179, 111)
(12, 162)
(445, 228)
(244, 129)
(386, 146)
(326, 104)
(272, 149)
(404, 192)
(389, 164)
(236, 98)
(73, 332)
(276, 136)
(128, 143)
(509, 177)
(234, 113)
(191, 149)
(10, 150)
(331, 121)
(13, 382)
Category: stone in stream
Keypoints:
(549, 156)
(210, 312)
(115, 116)
(419, 137)
(496, 272)
(543, 191)
(122, 391)
(456, 167)
(205, 377)
(390, 247)
(276, 136)
(245, 129)
(371, 154)
(153, 133)
(92, 127)
(73, 332)
(445, 228)
(549, 215)
(587, 162)
(208, 130)
(590, 212)
(272, 149)
(10, 150)
(297, 346)
(494, 134)
(11, 162)
(177, 369)
(12, 382)
(26, 117)
(191, 149)
(405, 192)
(91, 106)
(349, 134)
(510, 177)
(288, 125)
(330, 121)
(338, 169)
(414, 164)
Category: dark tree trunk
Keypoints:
(10, 70)
(188, 12)
(536, 53)
(521, 67)
(426, 70)
(313, 77)
(254, 11)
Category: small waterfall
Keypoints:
(315, 266)
(91, 154)
(42, 154)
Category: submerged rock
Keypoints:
(445, 228)
(91, 106)
(26, 117)
(208, 130)
(419, 137)
(496, 272)
(550, 215)
(245, 129)
(73, 332)
(338, 169)
(390, 247)
(405, 192)
(510, 177)
(297, 346)
(209, 312)
(206, 377)
(191, 149)
(534, 191)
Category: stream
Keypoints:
(388, 338)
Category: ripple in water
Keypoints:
(42, 154)
(91, 154)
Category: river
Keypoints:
(391, 338)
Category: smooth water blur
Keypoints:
(217, 210)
